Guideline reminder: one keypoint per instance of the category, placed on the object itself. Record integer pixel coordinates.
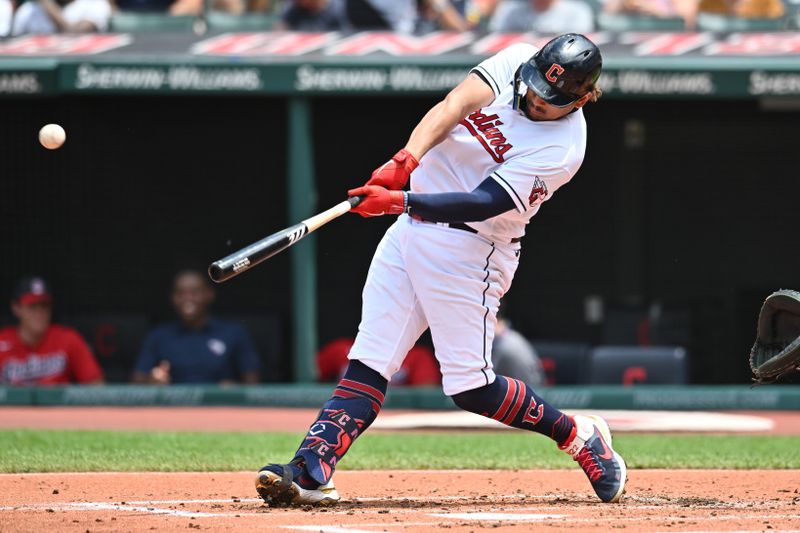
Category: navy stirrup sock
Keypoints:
(354, 405)
(513, 403)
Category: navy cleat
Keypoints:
(590, 445)
(291, 485)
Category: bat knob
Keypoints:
(216, 273)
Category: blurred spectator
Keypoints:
(6, 12)
(180, 7)
(62, 16)
(418, 368)
(262, 6)
(198, 348)
(315, 15)
(394, 15)
(479, 12)
(450, 15)
(195, 7)
(684, 9)
(744, 8)
(542, 16)
(751, 9)
(152, 6)
(482, 9)
(38, 352)
(514, 356)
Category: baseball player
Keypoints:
(481, 163)
(38, 352)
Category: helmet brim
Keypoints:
(536, 82)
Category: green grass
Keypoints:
(84, 451)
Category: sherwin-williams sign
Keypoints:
(672, 65)
(101, 77)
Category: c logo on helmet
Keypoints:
(554, 72)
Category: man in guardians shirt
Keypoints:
(37, 352)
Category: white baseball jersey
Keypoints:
(427, 275)
(529, 159)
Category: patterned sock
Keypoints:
(354, 405)
(513, 403)
(360, 381)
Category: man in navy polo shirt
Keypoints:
(198, 348)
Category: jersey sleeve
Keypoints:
(528, 183)
(498, 71)
(83, 367)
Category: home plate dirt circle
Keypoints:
(406, 501)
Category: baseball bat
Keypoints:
(258, 252)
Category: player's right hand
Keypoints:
(378, 201)
(160, 373)
(394, 173)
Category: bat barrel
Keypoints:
(229, 266)
(218, 272)
(248, 257)
(259, 251)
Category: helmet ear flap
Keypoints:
(520, 90)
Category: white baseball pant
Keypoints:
(428, 275)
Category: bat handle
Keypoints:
(355, 200)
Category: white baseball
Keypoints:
(52, 136)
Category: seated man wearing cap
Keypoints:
(38, 352)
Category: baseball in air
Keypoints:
(52, 136)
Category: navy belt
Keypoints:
(457, 225)
(462, 226)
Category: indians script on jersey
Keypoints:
(486, 129)
(34, 368)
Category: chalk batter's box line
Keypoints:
(149, 507)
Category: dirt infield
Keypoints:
(405, 502)
(378, 501)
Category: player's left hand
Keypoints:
(395, 172)
(378, 201)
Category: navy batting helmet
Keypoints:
(565, 69)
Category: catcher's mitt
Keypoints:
(777, 348)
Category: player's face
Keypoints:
(538, 109)
(33, 318)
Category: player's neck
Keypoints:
(30, 338)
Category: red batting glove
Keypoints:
(378, 201)
(395, 172)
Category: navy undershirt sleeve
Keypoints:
(489, 199)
